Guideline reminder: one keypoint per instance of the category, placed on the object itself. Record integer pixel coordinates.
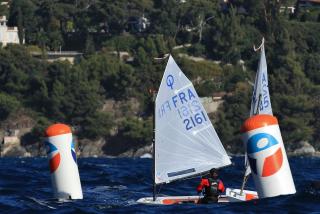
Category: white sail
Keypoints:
(260, 102)
(186, 143)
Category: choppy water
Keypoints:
(114, 185)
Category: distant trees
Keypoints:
(137, 132)
(8, 105)
(224, 32)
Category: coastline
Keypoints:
(18, 151)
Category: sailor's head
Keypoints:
(213, 173)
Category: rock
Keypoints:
(316, 154)
(89, 148)
(304, 149)
(144, 150)
(14, 150)
(36, 149)
(134, 153)
(210, 104)
(120, 109)
(146, 155)
(127, 154)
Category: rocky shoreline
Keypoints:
(17, 145)
(98, 149)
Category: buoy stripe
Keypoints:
(57, 129)
(54, 163)
(258, 121)
(272, 164)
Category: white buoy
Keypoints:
(267, 156)
(63, 163)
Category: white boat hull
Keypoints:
(232, 195)
(169, 200)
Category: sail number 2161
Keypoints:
(194, 120)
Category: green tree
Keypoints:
(312, 67)
(96, 125)
(89, 47)
(164, 16)
(8, 105)
(22, 14)
(225, 38)
(19, 72)
(137, 131)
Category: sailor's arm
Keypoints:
(203, 184)
(221, 186)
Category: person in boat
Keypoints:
(212, 187)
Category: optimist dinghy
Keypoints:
(260, 104)
(186, 143)
(265, 157)
(232, 195)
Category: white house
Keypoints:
(8, 34)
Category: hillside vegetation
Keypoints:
(223, 34)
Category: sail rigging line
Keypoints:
(258, 105)
(244, 181)
(160, 187)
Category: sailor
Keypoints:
(212, 186)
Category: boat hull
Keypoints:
(232, 195)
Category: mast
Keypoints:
(258, 106)
(246, 176)
(153, 144)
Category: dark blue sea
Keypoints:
(113, 186)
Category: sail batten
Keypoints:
(186, 143)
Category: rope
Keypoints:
(160, 186)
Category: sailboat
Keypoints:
(260, 104)
(260, 101)
(263, 141)
(186, 143)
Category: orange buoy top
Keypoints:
(57, 129)
(258, 121)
